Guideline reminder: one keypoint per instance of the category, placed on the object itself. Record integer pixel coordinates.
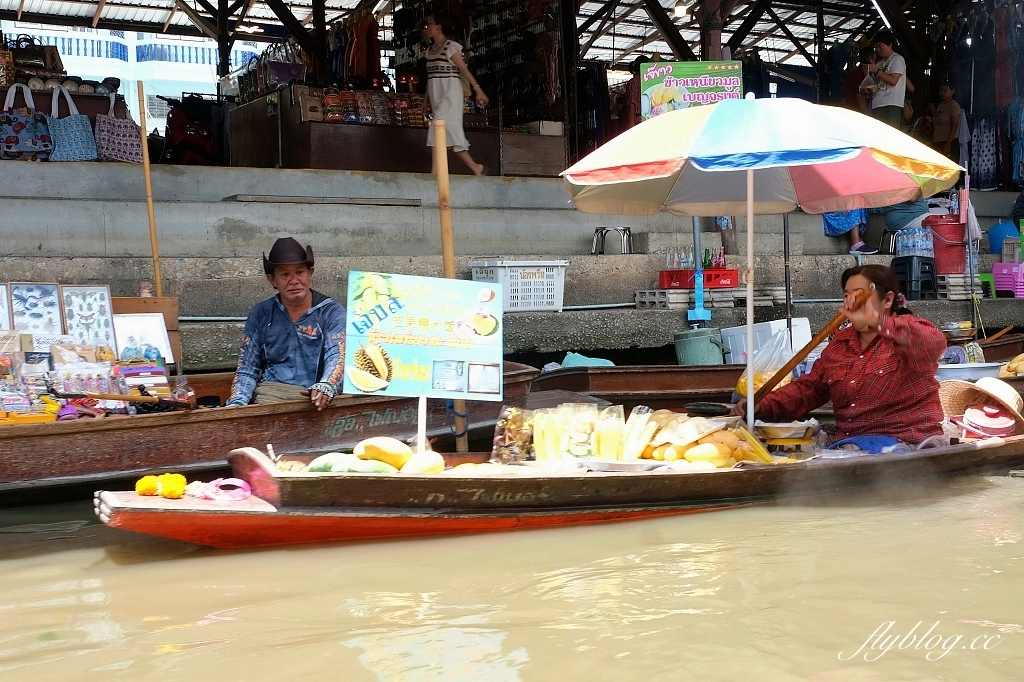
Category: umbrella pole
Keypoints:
(750, 298)
(444, 205)
(789, 282)
(149, 192)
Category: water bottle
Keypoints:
(929, 242)
(954, 201)
(901, 244)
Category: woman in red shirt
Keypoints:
(879, 372)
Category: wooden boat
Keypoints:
(293, 508)
(39, 459)
(657, 386)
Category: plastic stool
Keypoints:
(916, 275)
(888, 238)
(988, 284)
(599, 234)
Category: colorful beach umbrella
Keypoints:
(756, 157)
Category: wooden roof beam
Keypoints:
(792, 38)
(200, 22)
(601, 28)
(659, 17)
(295, 28)
(754, 14)
(170, 16)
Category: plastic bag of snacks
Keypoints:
(767, 361)
(513, 436)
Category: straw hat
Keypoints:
(957, 396)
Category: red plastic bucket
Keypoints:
(947, 240)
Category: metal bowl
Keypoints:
(960, 334)
(968, 372)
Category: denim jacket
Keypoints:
(300, 353)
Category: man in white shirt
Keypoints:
(889, 75)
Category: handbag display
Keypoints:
(118, 139)
(28, 53)
(72, 135)
(24, 133)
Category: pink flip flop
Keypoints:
(227, 490)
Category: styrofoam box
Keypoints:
(735, 338)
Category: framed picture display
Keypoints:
(5, 309)
(142, 335)
(88, 317)
(35, 308)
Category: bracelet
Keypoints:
(325, 388)
(476, 87)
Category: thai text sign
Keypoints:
(667, 86)
(423, 336)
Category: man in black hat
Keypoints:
(294, 343)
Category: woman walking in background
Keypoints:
(444, 97)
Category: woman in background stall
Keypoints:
(445, 70)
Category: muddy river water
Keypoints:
(913, 584)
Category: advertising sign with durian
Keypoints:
(423, 336)
(667, 86)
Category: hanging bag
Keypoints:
(28, 54)
(24, 135)
(118, 139)
(72, 135)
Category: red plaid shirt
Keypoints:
(886, 389)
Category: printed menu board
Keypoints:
(667, 86)
(423, 336)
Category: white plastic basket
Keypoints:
(528, 284)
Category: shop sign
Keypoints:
(667, 86)
(423, 336)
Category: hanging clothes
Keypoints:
(1016, 45)
(985, 153)
(963, 66)
(985, 66)
(963, 134)
(1015, 131)
(1004, 63)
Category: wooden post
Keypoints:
(444, 206)
(149, 193)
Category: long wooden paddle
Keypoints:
(995, 336)
(788, 368)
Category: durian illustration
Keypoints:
(372, 369)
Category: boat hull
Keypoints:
(259, 525)
(39, 458)
(303, 508)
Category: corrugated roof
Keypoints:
(150, 15)
(627, 33)
(630, 32)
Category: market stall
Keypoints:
(360, 117)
